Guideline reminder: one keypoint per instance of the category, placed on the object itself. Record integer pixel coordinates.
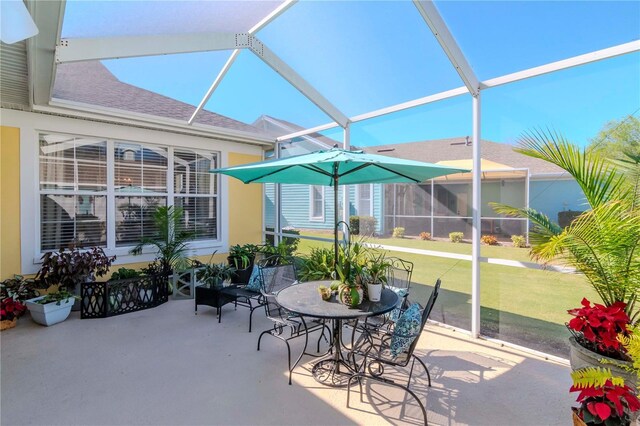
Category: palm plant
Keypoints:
(170, 239)
(602, 243)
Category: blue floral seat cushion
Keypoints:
(407, 329)
(255, 281)
(402, 293)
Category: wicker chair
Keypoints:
(277, 273)
(374, 346)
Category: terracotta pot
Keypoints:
(7, 324)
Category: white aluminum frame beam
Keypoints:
(93, 49)
(87, 49)
(288, 73)
(260, 25)
(598, 55)
(476, 190)
(432, 17)
(41, 49)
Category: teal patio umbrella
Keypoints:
(335, 167)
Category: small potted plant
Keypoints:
(214, 274)
(70, 267)
(595, 333)
(10, 311)
(350, 272)
(604, 399)
(375, 274)
(241, 257)
(51, 308)
(116, 292)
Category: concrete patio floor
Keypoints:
(167, 366)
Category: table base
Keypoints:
(332, 372)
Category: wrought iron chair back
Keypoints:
(399, 273)
(376, 352)
(277, 272)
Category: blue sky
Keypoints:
(367, 55)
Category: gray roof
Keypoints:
(432, 151)
(278, 127)
(92, 83)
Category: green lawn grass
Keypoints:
(525, 306)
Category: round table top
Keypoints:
(304, 299)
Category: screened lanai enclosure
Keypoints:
(450, 82)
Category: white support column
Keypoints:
(277, 227)
(477, 208)
(345, 188)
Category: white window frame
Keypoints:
(313, 218)
(111, 247)
(371, 213)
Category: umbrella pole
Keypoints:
(335, 221)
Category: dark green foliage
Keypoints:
(57, 297)
(68, 267)
(317, 265)
(124, 273)
(18, 288)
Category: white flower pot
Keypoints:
(374, 290)
(49, 313)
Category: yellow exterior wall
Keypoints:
(9, 202)
(245, 205)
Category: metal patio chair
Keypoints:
(374, 346)
(277, 273)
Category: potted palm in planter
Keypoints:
(170, 240)
(603, 242)
(52, 308)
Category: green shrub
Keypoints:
(317, 265)
(519, 241)
(398, 232)
(425, 236)
(456, 237)
(291, 242)
(123, 274)
(489, 240)
(354, 225)
(362, 225)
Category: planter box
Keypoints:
(580, 357)
(49, 313)
(107, 299)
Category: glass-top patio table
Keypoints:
(304, 299)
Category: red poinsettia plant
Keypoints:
(10, 309)
(606, 403)
(597, 327)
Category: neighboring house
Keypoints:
(88, 168)
(440, 206)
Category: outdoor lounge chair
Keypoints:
(374, 346)
(278, 273)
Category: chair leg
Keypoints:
(304, 349)
(288, 359)
(260, 338)
(425, 368)
(409, 391)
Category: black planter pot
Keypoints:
(241, 276)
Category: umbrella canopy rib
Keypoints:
(397, 173)
(268, 174)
